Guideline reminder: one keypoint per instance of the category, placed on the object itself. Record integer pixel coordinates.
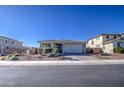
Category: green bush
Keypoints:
(17, 54)
(119, 50)
(14, 58)
(10, 55)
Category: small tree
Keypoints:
(119, 50)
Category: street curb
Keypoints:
(38, 63)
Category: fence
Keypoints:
(94, 50)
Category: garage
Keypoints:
(73, 48)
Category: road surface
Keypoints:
(62, 76)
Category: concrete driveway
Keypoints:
(81, 57)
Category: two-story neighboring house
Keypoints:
(107, 42)
(8, 45)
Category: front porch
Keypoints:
(51, 48)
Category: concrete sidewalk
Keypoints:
(33, 63)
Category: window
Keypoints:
(48, 45)
(122, 36)
(13, 42)
(118, 44)
(97, 38)
(92, 42)
(114, 37)
(107, 37)
(41, 45)
(6, 41)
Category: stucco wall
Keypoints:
(97, 42)
(8, 46)
(108, 48)
(5, 50)
(10, 43)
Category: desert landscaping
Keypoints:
(49, 57)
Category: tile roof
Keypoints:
(102, 35)
(61, 41)
(9, 38)
(110, 41)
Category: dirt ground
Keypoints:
(36, 58)
(69, 57)
(113, 56)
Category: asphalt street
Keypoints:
(62, 76)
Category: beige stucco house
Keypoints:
(8, 45)
(107, 42)
(62, 46)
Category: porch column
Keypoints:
(44, 46)
(44, 50)
(52, 45)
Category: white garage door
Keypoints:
(73, 48)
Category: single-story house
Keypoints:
(62, 46)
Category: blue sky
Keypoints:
(33, 23)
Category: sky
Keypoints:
(35, 23)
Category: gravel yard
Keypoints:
(71, 57)
(67, 57)
(38, 57)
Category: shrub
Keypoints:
(119, 50)
(10, 55)
(50, 55)
(14, 58)
(17, 54)
(3, 58)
